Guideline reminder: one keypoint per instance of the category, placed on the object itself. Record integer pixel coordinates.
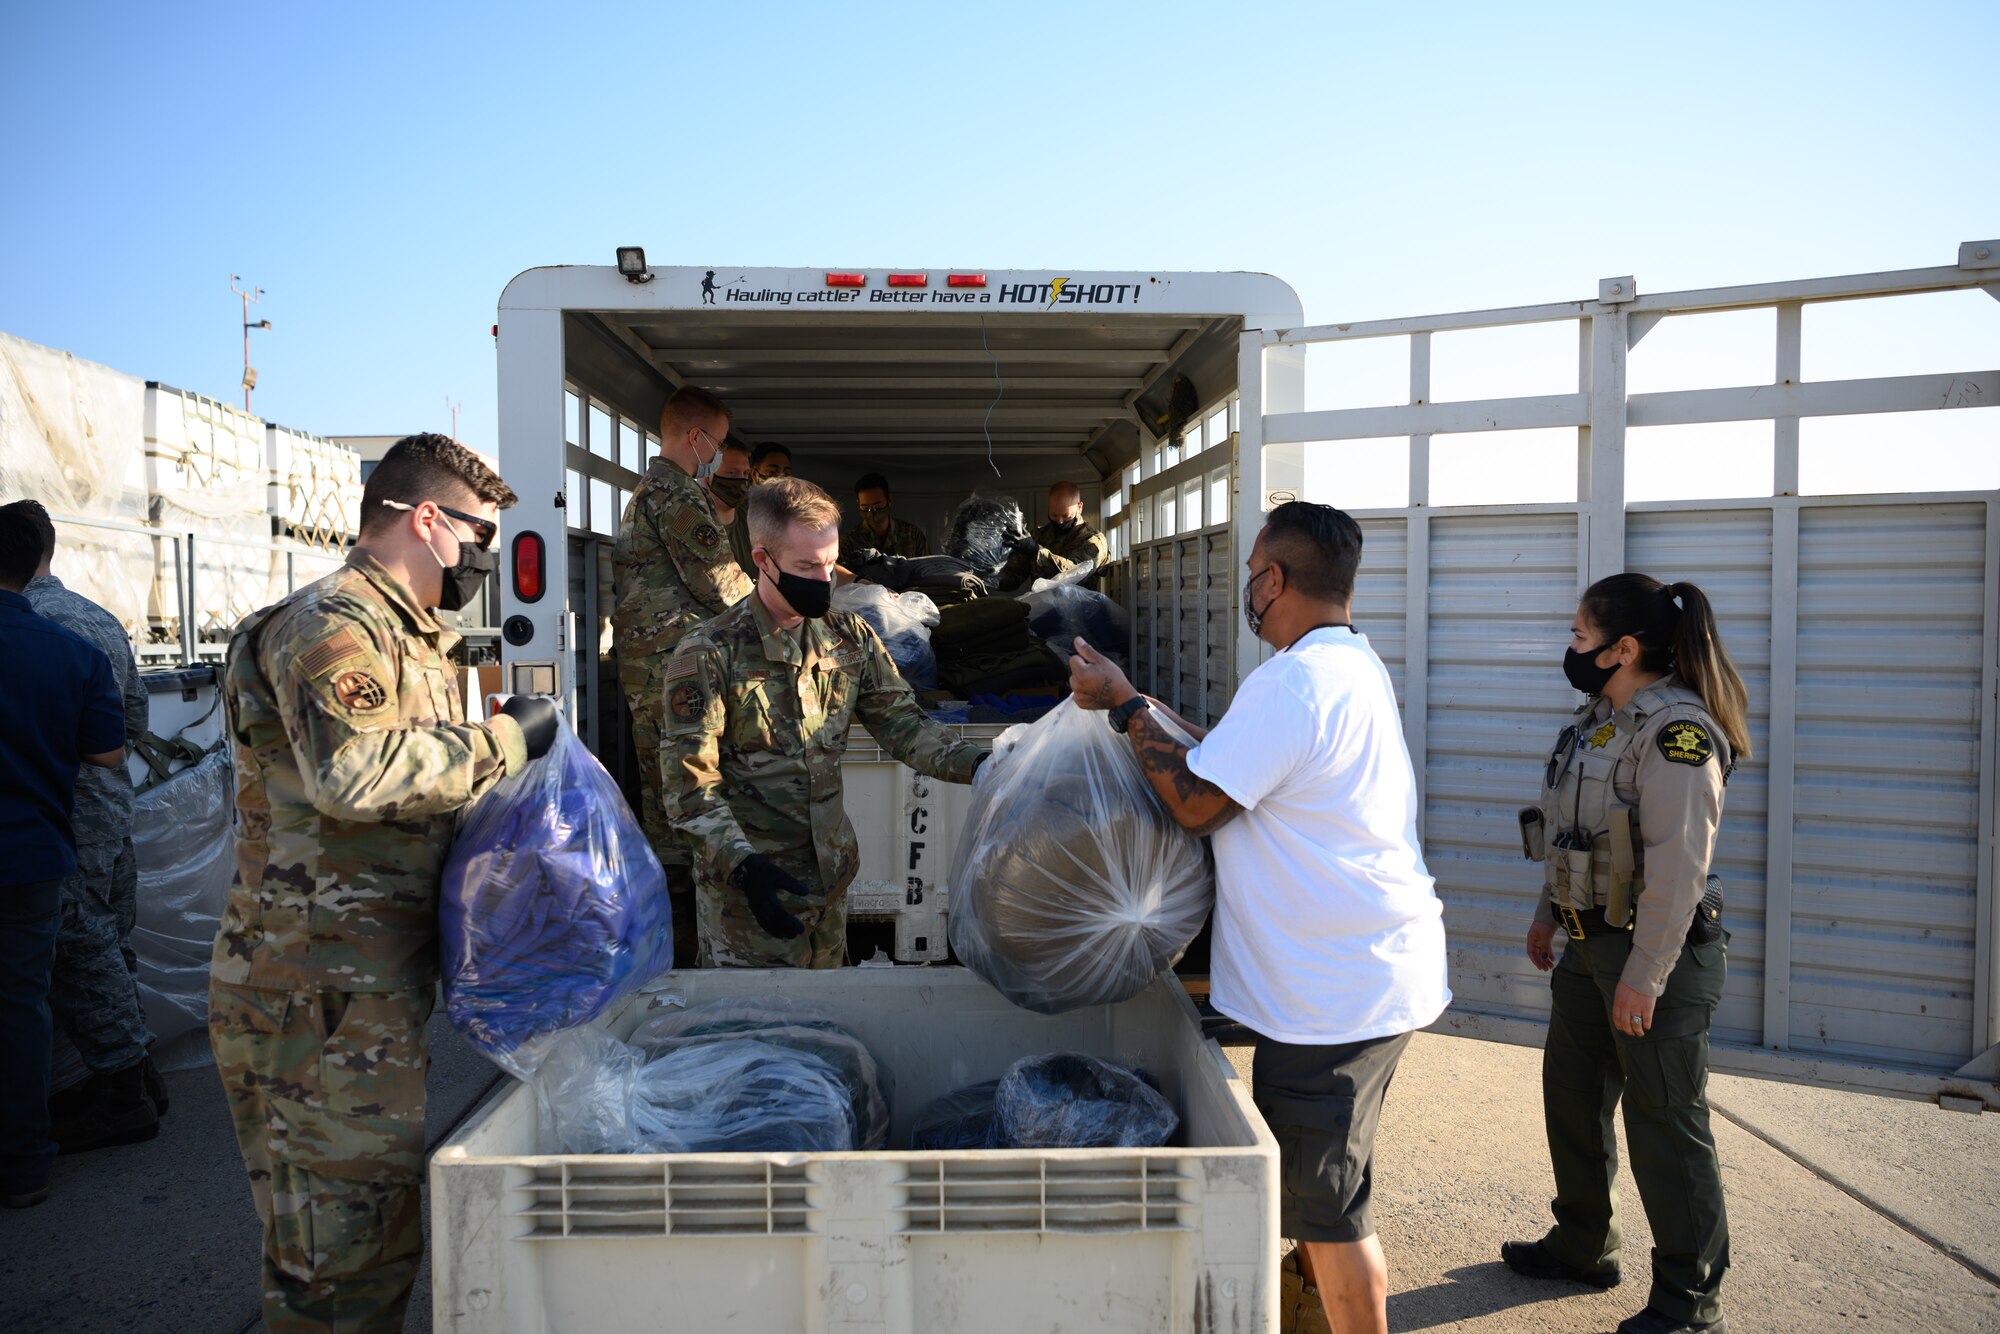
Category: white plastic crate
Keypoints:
(1179, 1238)
(907, 826)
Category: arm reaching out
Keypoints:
(1197, 805)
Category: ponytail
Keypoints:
(1704, 664)
(1675, 627)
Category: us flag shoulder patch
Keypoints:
(342, 646)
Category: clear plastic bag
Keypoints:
(1066, 1100)
(903, 622)
(802, 1028)
(186, 854)
(553, 907)
(982, 531)
(962, 1119)
(1072, 885)
(596, 1094)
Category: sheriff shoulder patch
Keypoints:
(340, 647)
(1686, 743)
(360, 692)
(685, 701)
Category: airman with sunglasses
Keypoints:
(353, 759)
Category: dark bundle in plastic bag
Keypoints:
(553, 907)
(1072, 885)
(962, 1119)
(902, 621)
(802, 1028)
(1066, 1100)
(596, 1094)
(1060, 611)
(982, 532)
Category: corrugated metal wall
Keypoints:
(1882, 877)
(1892, 613)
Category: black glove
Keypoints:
(984, 756)
(537, 716)
(762, 881)
(1027, 548)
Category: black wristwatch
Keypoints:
(1122, 716)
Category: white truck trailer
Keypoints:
(1858, 846)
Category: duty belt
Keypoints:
(1589, 922)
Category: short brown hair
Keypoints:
(784, 501)
(429, 467)
(688, 403)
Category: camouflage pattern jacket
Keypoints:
(675, 562)
(903, 539)
(103, 811)
(353, 757)
(756, 725)
(1066, 548)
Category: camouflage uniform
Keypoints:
(1064, 549)
(94, 991)
(902, 539)
(739, 542)
(757, 721)
(677, 568)
(352, 759)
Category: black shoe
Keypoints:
(156, 1084)
(65, 1103)
(1650, 1321)
(119, 1113)
(1532, 1259)
(25, 1199)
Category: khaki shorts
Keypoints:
(1323, 1104)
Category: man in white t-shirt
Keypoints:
(1329, 939)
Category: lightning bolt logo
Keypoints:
(1056, 286)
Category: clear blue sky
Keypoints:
(383, 170)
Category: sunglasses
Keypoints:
(874, 509)
(483, 530)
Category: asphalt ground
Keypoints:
(1846, 1210)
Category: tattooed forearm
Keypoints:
(1197, 805)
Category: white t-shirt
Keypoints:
(1328, 928)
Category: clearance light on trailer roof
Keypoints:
(966, 280)
(909, 280)
(846, 280)
(529, 567)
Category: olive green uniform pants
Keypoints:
(1587, 1067)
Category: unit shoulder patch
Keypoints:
(686, 701)
(705, 535)
(1686, 743)
(360, 692)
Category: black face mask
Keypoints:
(730, 491)
(463, 581)
(1583, 672)
(810, 598)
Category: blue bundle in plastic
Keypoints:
(553, 907)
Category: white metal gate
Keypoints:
(1858, 844)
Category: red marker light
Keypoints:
(966, 280)
(529, 567)
(909, 280)
(846, 280)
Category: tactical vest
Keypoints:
(1586, 838)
